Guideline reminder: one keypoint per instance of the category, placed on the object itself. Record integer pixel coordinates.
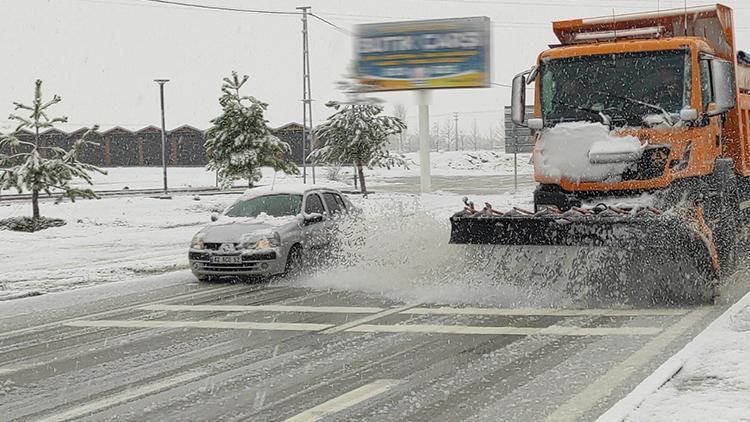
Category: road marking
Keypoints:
(554, 330)
(264, 308)
(122, 397)
(350, 324)
(345, 401)
(13, 369)
(545, 312)
(226, 325)
(186, 296)
(417, 311)
(574, 408)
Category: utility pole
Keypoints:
(474, 137)
(161, 83)
(307, 140)
(455, 117)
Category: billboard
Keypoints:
(439, 53)
(518, 138)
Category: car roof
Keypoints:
(291, 189)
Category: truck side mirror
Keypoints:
(688, 114)
(518, 100)
(536, 123)
(722, 81)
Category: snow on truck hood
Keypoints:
(584, 152)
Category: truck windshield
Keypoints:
(622, 87)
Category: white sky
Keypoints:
(101, 56)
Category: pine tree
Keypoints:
(357, 133)
(239, 141)
(27, 168)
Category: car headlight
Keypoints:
(197, 242)
(268, 242)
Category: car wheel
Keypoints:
(294, 261)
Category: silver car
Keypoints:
(267, 231)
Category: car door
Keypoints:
(313, 231)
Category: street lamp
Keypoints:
(161, 83)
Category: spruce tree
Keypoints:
(239, 141)
(29, 169)
(357, 133)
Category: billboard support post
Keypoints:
(423, 99)
(515, 159)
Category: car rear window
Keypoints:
(331, 203)
(340, 201)
(277, 205)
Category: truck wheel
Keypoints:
(722, 213)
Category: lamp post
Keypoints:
(161, 83)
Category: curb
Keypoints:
(664, 373)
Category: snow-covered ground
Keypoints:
(711, 379)
(448, 163)
(115, 239)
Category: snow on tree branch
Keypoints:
(27, 169)
(357, 133)
(239, 141)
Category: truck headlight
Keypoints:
(197, 242)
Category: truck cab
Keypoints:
(633, 103)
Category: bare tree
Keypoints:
(446, 132)
(399, 112)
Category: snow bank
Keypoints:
(106, 240)
(713, 382)
(584, 152)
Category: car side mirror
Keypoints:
(214, 216)
(313, 218)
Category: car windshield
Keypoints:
(621, 88)
(277, 205)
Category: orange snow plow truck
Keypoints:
(641, 147)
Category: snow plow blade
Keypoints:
(642, 253)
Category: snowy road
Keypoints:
(168, 348)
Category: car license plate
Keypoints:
(237, 259)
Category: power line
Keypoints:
(221, 8)
(340, 29)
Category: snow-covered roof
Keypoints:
(80, 131)
(291, 125)
(116, 129)
(53, 130)
(149, 128)
(292, 189)
(186, 127)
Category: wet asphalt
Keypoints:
(274, 352)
